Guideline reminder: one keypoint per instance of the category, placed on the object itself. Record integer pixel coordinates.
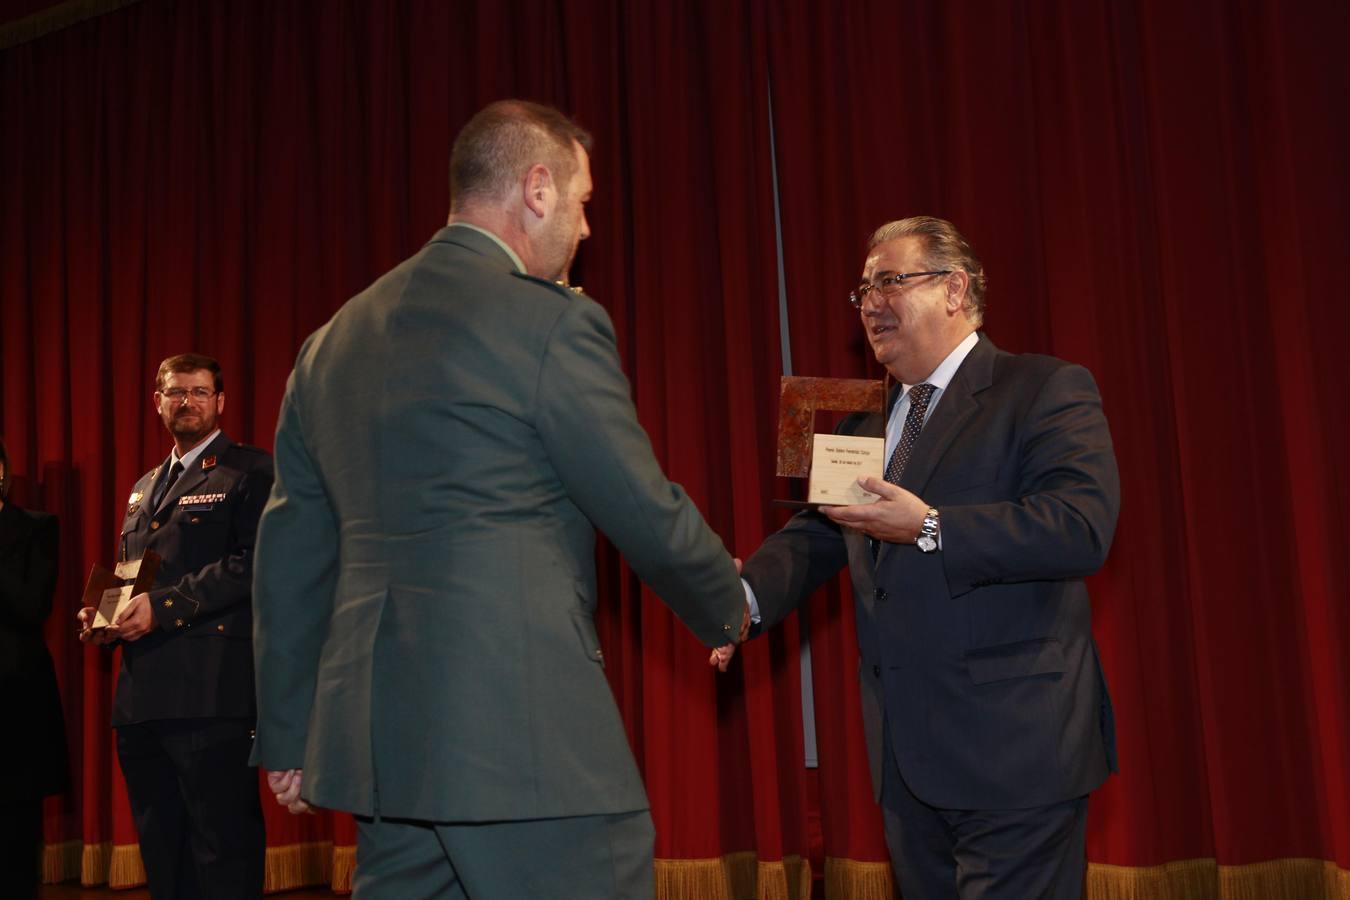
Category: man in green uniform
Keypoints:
(425, 584)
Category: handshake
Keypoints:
(721, 657)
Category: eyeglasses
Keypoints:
(176, 395)
(889, 285)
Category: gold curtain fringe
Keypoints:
(735, 876)
(126, 869)
(94, 862)
(680, 879)
(854, 880)
(344, 865)
(742, 872)
(1285, 879)
(1205, 879)
(61, 862)
(298, 865)
(1189, 879)
(789, 879)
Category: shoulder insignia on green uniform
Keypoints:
(567, 290)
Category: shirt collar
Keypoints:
(946, 370)
(189, 458)
(520, 266)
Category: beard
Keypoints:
(190, 426)
(558, 253)
(558, 245)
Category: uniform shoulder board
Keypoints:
(566, 290)
(246, 457)
(249, 448)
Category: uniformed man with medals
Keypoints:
(184, 708)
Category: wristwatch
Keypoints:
(928, 532)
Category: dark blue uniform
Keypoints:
(184, 708)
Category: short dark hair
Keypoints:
(944, 248)
(502, 141)
(189, 362)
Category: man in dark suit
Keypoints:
(425, 584)
(33, 760)
(184, 708)
(986, 712)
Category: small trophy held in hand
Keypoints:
(110, 592)
(832, 463)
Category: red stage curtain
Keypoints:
(1158, 192)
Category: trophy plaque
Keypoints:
(110, 592)
(832, 463)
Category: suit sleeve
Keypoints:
(605, 461)
(26, 593)
(791, 563)
(294, 582)
(1063, 519)
(228, 581)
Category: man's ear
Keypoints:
(540, 192)
(958, 283)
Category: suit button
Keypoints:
(178, 623)
(879, 595)
(876, 671)
(220, 628)
(154, 526)
(195, 520)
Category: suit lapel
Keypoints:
(953, 411)
(868, 425)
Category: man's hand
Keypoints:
(87, 632)
(135, 621)
(286, 786)
(721, 657)
(896, 517)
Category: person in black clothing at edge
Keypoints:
(34, 762)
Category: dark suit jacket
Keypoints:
(979, 658)
(425, 585)
(35, 753)
(197, 662)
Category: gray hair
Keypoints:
(944, 248)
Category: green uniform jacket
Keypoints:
(425, 578)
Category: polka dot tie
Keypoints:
(919, 395)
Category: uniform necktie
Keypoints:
(174, 471)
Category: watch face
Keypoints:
(927, 543)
